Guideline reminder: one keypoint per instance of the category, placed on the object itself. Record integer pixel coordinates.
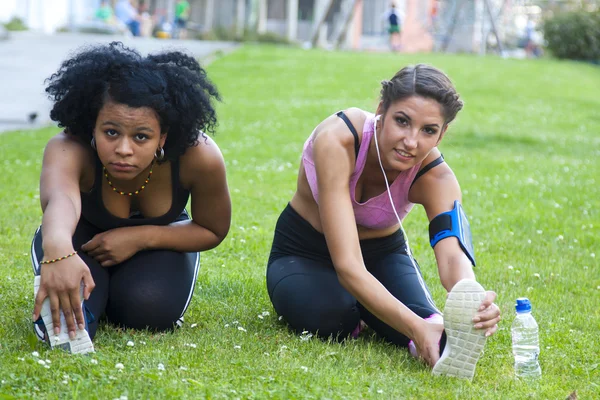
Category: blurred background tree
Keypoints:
(571, 29)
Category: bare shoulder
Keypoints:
(64, 140)
(204, 156)
(202, 159)
(436, 189)
(431, 157)
(68, 161)
(68, 149)
(357, 117)
(335, 128)
(439, 174)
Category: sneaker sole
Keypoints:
(81, 344)
(464, 343)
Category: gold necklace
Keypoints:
(129, 193)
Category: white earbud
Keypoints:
(377, 117)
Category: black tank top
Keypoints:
(94, 211)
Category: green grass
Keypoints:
(525, 150)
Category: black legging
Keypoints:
(305, 290)
(150, 290)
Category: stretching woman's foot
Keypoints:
(465, 344)
(80, 344)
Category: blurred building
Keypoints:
(48, 15)
(428, 25)
(340, 23)
(469, 26)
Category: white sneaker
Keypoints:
(81, 344)
(464, 343)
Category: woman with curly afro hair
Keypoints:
(115, 238)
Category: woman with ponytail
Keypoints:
(340, 258)
(116, 239)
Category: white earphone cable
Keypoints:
(389, 192)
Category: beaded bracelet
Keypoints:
(58, 259)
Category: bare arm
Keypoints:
(333, 154)
(211, 205)
(60, 194)
(62, 170)
(436, 191)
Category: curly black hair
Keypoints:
(173, 84)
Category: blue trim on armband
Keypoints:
(453, 223)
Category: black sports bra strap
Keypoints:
(352, 129)
(426, 168)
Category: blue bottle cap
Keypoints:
(523, 305)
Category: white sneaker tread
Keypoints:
(464, 344)
(81, 344)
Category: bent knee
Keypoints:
(144, 312)
(327, 314)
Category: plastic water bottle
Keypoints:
(525, 341)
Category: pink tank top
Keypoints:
(375, 213)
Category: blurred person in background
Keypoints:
(105, 13)
(128, 15)
(146, 20)
(394, 21)
(532, 40)
(182, 15)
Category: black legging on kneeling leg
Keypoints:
(150, 290)
(305, 290)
